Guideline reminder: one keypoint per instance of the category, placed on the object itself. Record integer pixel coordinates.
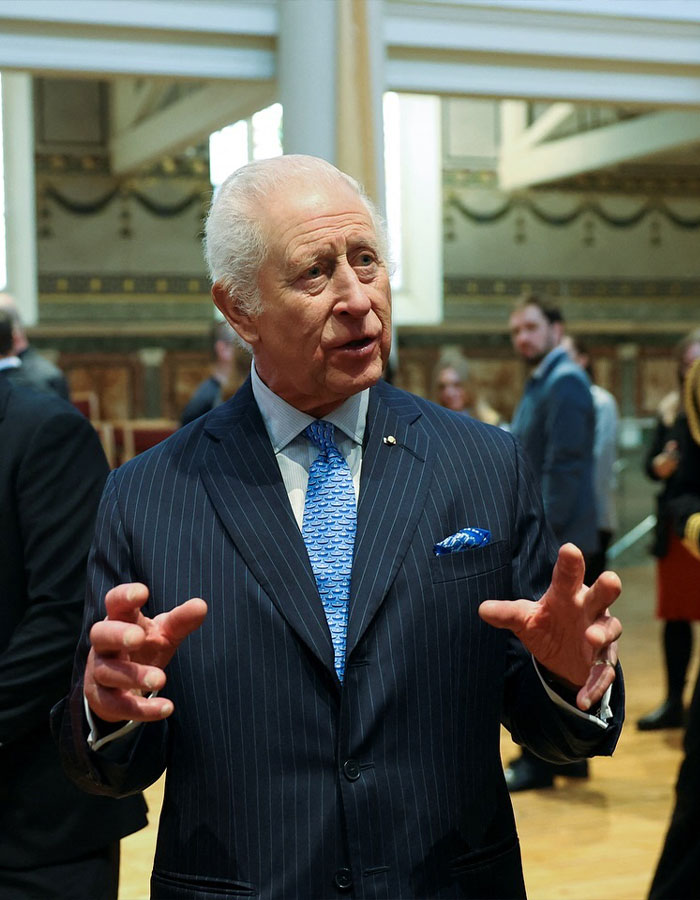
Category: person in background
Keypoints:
(210, 393)
(678, 869)
(455, 389)
(555, 423)
(673, 459)
(56, 842)
(330, 722)
(35, 370)
(605, 457)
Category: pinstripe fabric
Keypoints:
(278, 778)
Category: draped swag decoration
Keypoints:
(585, 207)
(91, 208)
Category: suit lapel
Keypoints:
(393, 491)
(243, 481)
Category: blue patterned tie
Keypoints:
(330, 518)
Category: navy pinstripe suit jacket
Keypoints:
(280, 783)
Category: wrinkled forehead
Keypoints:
(303, 209)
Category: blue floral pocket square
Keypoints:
(463, 540)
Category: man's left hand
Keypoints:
(569, 630)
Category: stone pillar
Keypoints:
(20, 195)
(330, 71)
(306, 74)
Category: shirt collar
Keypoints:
(10, 362)
(283, 422)
(546, 363)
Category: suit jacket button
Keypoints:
(343, 879)
(351, 769)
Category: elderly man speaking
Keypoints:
(315, 605)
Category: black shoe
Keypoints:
(573, 769)
(522, 775)
(668, 715)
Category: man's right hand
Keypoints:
(130, 652)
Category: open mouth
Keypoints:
(358, 344)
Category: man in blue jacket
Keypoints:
(555, 423)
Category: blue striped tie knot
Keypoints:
(328, 529)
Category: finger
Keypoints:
(604, 631)
(568, 573)
(112, 637)
(124, 601)
(600, 677)
(512, 614)
(127, 675)
(176, 624)
(602, 593)
(114, 705)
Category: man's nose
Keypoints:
(351, 295)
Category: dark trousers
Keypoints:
(678, 870)
(596, 563)
(92, 877)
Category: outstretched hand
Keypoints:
(569, 630)
(130, 652)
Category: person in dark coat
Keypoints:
(677, 872)
(555, 423)
(34, 370)
(210, 393)
(673, 459)
(56, 841)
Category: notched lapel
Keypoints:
(396, 475)
(243, 481)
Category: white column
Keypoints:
(418, 299)
(20, 202)
(514, 121)
(306, 73)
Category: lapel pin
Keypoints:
(390, 440)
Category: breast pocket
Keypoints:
(470, 563)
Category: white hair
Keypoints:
(234, 242)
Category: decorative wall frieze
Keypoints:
(629, 289)
(665, 182)
(87, 287)
(194, 165)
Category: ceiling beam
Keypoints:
(187, 122)
(598, 149)
(555, 116)
(134, 98)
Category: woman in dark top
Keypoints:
(674, 459)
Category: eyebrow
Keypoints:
(329, 249)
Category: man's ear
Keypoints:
(244, 325)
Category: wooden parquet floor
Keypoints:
(593, 840)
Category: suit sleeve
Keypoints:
(569, 446)
(133, 763)
(528, 713)
(60, 476)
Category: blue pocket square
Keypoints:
(463, 540)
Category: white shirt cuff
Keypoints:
(94, 741)
(604, 710)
